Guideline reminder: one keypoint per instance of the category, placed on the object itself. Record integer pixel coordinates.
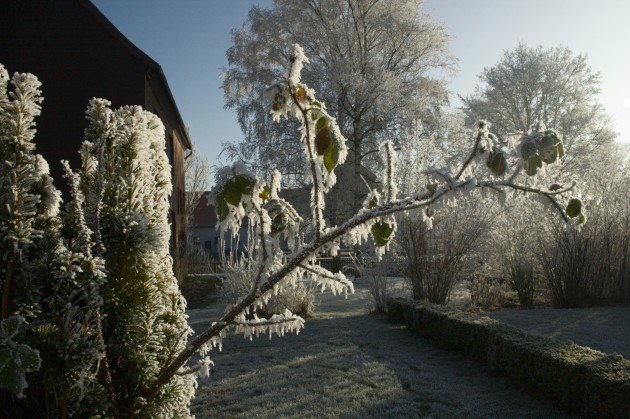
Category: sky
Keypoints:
(189, 39)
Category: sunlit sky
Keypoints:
(189, 38)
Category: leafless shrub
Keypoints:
(239, 281)
(589, 266)
(485, 290)
(521, 273)
(378, 277)
(437, 257)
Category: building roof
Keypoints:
(138, 54)
(203, 214)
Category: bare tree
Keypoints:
(197, 177)
(197, 173)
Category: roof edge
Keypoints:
(141, 56)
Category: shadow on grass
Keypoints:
(353, 366)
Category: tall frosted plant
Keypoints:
(125, 180)
(28, 205)
(28, 201)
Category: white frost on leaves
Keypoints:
(126, 180)
(27, 195)
(298, 59)
(390, 159)
(337, 283)
(275, 186)
(278, 324)
(202, 368)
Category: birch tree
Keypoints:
(371, 62)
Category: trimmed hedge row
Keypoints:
(576, 378)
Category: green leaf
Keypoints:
(553, 135)
(581, 219)
(551, 155)
(322, 139)
(547, 141)
(373, 202)
(560, 148)
(236, 187)
(574, 208)
(222, 208)
(244, 184)
(528, 149)
(331, 157)
(381, 233)
(231, 193)
(264, 194)
(10, 326)
(497, 163)
(321, 124)
(555, 187)
(533, 163)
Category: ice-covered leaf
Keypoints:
(574, 208)
(10, 326)
(282, 214)
(555, 187)
(222, 208)
(534, 162)
(331, 157)
(322, 139)
(528, 149)
(496, 162)
(15, 362)
(381, 232)
(264, 194)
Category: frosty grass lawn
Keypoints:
(348, 363)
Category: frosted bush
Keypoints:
(297, 297)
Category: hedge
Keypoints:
(575, 378)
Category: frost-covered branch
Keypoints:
(239, 194)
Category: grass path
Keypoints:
(350, 364)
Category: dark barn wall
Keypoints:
(78, 54)
(76, 59)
